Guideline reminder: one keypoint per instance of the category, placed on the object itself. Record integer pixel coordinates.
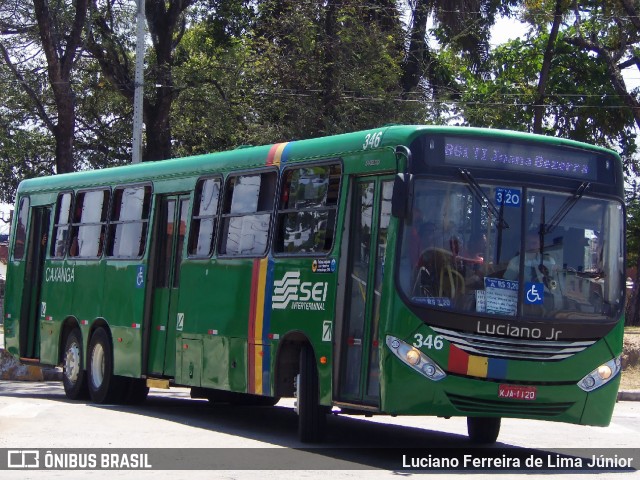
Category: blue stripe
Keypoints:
(266, 328)
(497, 368)
(285, 154)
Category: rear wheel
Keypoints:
(74, 377)
(483, 430)
(104, 386)
(312, 417)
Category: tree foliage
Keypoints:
(222, 73)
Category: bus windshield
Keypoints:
(513, 251)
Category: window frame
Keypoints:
(226, 217)
(56, 224)
(193, 218)
(281, 213)
(104, 223)
(23, 233)
(144, 221)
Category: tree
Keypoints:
(321, 68)
(110, 44)
(462, 26)
(611, 31)
(59, 31)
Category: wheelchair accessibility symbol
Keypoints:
(140, 277)
(533, 293)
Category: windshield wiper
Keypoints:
(564, 209)
(483, 199)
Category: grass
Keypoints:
(631, 375)
(630, 378)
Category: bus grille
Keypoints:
(477, 405)
(513, 348)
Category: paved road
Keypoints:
(38, 415)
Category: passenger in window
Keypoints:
(73, 248)
(473, 261)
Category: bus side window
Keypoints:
(89, 222)
(307, 210)
(204, 221)
(61, 225)
(246, 217)
(21, 229)
(128, 221)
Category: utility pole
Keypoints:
(138, 95)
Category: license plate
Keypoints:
(515, 392)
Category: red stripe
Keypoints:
(272, 154)
(458, 360)
(252, 326)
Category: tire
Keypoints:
(483, 430)
(312, 417)
(104, 386)
(74, 378)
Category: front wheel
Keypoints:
(483, 430)
(104, 386)
(312, 417)
(74, 377)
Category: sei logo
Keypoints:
(290, 292)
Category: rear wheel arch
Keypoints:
(287, 363)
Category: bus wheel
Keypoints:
(483, 430)
(74, 379)
(104, 386)
(311, 415)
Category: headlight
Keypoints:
(415, 359)
(601, 375)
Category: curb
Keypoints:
(12, 369)
(629, 395)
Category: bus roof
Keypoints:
(252, 157)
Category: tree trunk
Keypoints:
(60, 61)
(538, 108)
(415, 57)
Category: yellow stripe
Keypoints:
(258, 370)
(259, 324)
(478, 366)
(278, 156)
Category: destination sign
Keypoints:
(539, 159)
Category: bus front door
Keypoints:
(359, 349)
(33, 278)
(171, 227)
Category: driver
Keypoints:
(533, 271)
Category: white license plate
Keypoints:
(515, 392)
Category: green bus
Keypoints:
(405, 270)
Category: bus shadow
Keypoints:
(351, 442)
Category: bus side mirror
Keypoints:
(402, 200)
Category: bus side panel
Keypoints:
(12, 306)
(59, 283)
(124, 295)
(303, 300)
(215, 299)
(223, 358)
